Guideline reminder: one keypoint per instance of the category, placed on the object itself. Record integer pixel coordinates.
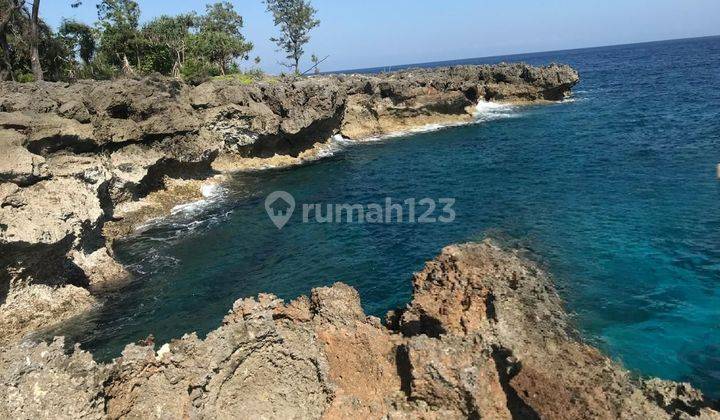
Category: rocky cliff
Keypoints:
(485, 336)
(82, 163)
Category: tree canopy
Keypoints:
(219, 40)
(295, 19)
(80, 38)
(170, 35)
(18, 39)
(189, 45)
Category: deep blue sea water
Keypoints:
(614, 191)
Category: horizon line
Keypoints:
(407, 65)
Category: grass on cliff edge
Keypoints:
(247, 78)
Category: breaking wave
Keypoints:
(488, 111)
(484, 111)
(211, 193)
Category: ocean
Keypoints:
(613, 191)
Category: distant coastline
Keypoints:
(496, 59)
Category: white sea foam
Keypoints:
(211, 193)
(402, 133)
(488, 111)
(187, 217)
(336, 143)
(572, 99)
(337, 138)
(191, 207)
(210, 190)
(147, 224)
(484, 111)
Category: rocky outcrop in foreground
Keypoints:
(485, 336)
(82, 163)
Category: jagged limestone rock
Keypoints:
(85, 162)
(501, 348)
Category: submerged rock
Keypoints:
(485, 336)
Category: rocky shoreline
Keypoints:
(84, 163)
(485, 336)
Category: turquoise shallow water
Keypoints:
(614, 191)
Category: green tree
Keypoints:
(221, 17)
(220, 40)
(185, 44)
(295, 18)
(28, 45)
(315, 62)
(80, 39)
(56, 57)
(171, 33)
(119, 13)
(120, 41)
(9, 11)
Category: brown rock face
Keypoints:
(485, 336)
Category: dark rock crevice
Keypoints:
(556, 93)
(4, 286)
(59, 143)
(121, 110)
(425, 324)
(490, 311)
(471, 410)
(471, 94)
(404, 369)
(293, 144)
(174, 168)
(39, 263)
(507, 368)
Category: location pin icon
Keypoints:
(279, 206)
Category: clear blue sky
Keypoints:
(372, 33)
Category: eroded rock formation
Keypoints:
(82, 163)
(485, 336)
